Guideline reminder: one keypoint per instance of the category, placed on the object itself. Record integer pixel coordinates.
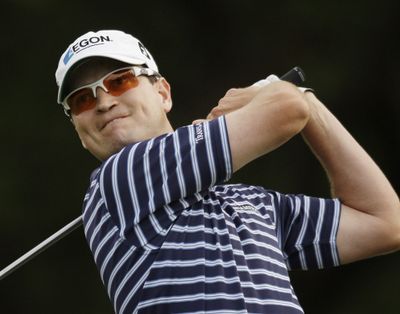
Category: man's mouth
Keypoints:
(112, 121)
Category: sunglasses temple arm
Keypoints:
(41, 247)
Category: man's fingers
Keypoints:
(232, 91)
(234, 99)
(215, 113)
(199, 121)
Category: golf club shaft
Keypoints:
(41, 247)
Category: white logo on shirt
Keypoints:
(199, 133)
(244, 207)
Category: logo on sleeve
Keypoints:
(199, 133)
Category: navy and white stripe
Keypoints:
(167, 239)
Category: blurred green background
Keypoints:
(348, 49)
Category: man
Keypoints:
(166, 235)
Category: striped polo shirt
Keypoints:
(168, 237)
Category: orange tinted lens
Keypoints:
(119, 82)
(81, 101)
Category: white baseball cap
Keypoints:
(112, 44)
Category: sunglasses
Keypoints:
(114, 83)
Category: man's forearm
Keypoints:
(271, 118)
(370, 220)
(354, 176)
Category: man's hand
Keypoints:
(236, 98)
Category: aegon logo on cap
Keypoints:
(84, 44)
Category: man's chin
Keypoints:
(107, 150)
(113, 144)
(116, 145)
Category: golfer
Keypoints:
(167, 231)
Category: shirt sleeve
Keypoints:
(307, 230)
(147, 184)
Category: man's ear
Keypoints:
(164, 90)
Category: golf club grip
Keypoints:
(295, 76)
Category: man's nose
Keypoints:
(105, 101)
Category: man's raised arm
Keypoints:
(370, 217)
(275, 114)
